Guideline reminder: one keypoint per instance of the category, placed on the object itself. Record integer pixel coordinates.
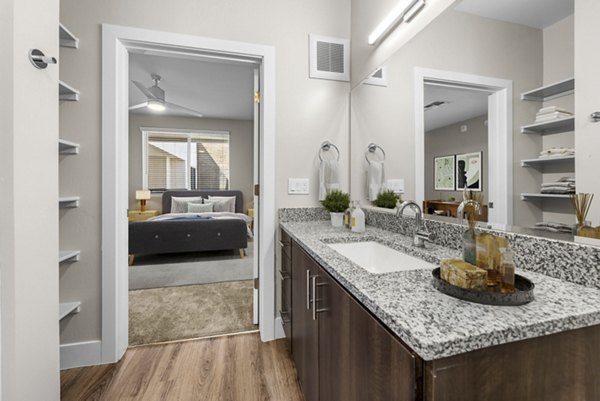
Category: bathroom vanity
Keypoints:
(356, 335)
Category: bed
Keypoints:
(176, 233)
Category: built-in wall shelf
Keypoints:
(531, 196)
(68, 256)
(67, 148)
(68, 201)
(552, 91)
(545, 161)
(65, 309)
(550, 127)
(66, 38)
(66, 92)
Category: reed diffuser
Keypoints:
(581, 204)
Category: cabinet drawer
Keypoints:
(286, 245)
(286, 304)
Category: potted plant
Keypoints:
(387, 199)
(336, 202)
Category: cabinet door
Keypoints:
(305, 333)
(382, 369)
(285, 275)
(333, 317)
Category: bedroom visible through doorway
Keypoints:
(192, 237)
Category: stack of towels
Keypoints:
(565, 185)
(557, 152)
(551, 113)
(553, 227)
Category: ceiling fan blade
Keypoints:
(174, 106)
(144, 90)
(138, 106)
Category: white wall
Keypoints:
(308, 111)
(449, 140)
(29, 203)
(457, 42)
(241, 148)
(587, 101)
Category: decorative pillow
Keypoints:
(179, 204)
(200, 207)
(223, 203)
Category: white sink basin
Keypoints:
(377, 258)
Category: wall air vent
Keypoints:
(329, 58)
(377, 78)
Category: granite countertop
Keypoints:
(433, 324)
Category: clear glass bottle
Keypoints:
(507, 271)
(357, 218)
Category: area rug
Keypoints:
(177, 313)
(155, 271)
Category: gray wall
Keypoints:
(456, 42)
(449, 140)
(308, 111)
(241, 148)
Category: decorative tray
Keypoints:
(523, 292)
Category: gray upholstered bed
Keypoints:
(175, 236)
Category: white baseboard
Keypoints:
(75, 355)
(279, 333)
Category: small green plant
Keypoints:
(387, 199)
(336, 201)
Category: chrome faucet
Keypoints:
(420, 234)
(461, 209)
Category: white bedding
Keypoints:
(213, 215)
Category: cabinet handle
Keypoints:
(315, 298)
(284, 276)
(281, 244)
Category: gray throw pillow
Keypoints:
(200, 207)
(179, 204)
(223, 203)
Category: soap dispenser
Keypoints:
(348, 215)
(357, 218)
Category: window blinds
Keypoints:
(187, 161)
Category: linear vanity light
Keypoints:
(405, 10)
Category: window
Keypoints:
(185, 160)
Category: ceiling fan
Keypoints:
(155, 98)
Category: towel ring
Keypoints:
(326, 147)
(371, 149)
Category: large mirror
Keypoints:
(482, 98)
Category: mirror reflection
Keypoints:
(483, 103)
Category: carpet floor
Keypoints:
(169, 270)
(177, 313)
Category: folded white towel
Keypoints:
(375, 179)
(552, 109)
(557, 152)
(328, 177)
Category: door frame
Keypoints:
(500, 126)
(117, 41)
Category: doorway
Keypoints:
(118, 44)
(499, 136)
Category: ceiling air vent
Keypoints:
(378, 78)
(329, 58)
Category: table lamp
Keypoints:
(142, 195)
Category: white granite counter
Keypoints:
(433, 324)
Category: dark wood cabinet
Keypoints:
(285, 277)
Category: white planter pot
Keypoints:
(337, 219)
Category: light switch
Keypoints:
(298, 186)
(395, 185)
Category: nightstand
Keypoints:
(138, 215)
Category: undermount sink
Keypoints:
(378, 258)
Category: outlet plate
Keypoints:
(298, 186)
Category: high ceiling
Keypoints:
(462, 105)
(534, 13)
(216, 89)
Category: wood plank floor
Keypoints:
(231, 368)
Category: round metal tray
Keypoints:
(523, 292)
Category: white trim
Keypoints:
(279, 332)
(115, 43)
(75, 355)
(500, 179)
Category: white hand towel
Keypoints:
(328, 177)
(375, 178)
